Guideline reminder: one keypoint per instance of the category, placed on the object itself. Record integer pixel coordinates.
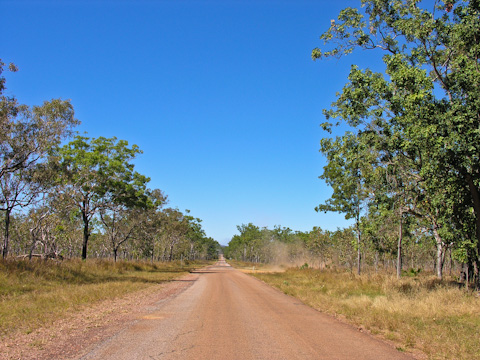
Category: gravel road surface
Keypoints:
(226, 314)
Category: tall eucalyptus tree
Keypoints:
(27, 134)
(97, 173)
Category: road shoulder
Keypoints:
(81, 330)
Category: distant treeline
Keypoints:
(334, 249)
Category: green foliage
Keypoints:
(102, 167)
(412, 272)
(245, 246)
(345, 163)
(417, 121)
(27, 134)
(98, 173)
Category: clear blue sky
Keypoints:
(222, 96)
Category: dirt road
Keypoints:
(226, 314)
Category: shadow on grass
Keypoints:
(22, 277)
(206, 271)
(83, 279)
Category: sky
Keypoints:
(222, 96)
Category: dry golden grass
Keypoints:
(251, 267)
(34, 294)
(438, 318)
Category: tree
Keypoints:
(150, 223)
(348, 161)
(119, 223)
(121, 218)
(120, 215)
(251, 241)
(97, 173)
(173, 231)
(342, 240)
(429, 98)
(319, 245)
(17, 190)
(27, 134)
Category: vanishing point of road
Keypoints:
(226, 314)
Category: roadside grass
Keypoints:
(35, 293)
(436, 317)
(252, 267)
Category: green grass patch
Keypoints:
(36, 293)
(439, 318)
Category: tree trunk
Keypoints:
(192, 254)
(476, 275)
(6, 233)
(30, 252)
(115, 250)
(399, 246)
(467, 276)
(86, 235)
(32, 248)
(359, 253)
(440, 253)
(452, 264)
(474, 191)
